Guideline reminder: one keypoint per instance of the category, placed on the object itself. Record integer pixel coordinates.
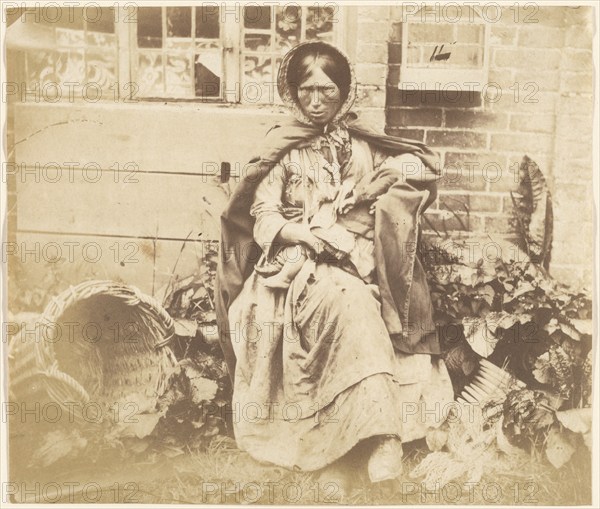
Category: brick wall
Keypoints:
(574, 229)
(370, 53)
(483, 139)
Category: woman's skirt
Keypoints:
(316, 372)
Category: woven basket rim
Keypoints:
(88, 289)
(45, 355)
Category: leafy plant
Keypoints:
(533, 212)
(199, 394)
(515, 315)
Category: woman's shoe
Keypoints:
(385, 462)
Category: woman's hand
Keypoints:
(346, 198)
(312, 242)
(372, 206)
(296, 233)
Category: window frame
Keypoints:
(232, 53)
(431, 77)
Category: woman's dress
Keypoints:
(316, 371)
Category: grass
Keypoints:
(225, 475)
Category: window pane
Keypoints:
(441, 33)
(179, 75)
(67, 37)
(100, 68)
(179, 22)
(101, 39)
(258, 78)
(465, 56)
(69, 18)
(150, 74)
(207, 22)
(287, 27)
(103, 20)
(149, 27)
(202, 45)
(40, 67)
(70, 66)
(208, 71)
(470, 34)
(258, 69)
(257, 17)
(319, 22)
(257, 42)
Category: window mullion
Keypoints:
(274, 53)
(163, 17)
(340, 31)
(232, 59)
(126, 50)
(193, 54)
(303, 10)
(85, 52)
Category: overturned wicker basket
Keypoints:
(490, 383)
(99, 342)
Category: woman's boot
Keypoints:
(385, 462)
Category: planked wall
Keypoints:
(125, 191)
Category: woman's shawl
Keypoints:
(406, 302)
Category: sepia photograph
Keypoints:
(308, 253)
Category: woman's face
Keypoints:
(319, 97)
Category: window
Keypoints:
(438, 52)
(189, 52)
(268, 33)
(202, 52)
(67, 52)
(179, 52)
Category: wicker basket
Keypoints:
(99, 342)
(491, 383)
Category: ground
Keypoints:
(225, 475)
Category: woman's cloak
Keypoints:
(405, 300)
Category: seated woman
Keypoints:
(342, 356)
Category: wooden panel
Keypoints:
(146, 264)
(152, 205)
(187, 138)
(135, 223)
